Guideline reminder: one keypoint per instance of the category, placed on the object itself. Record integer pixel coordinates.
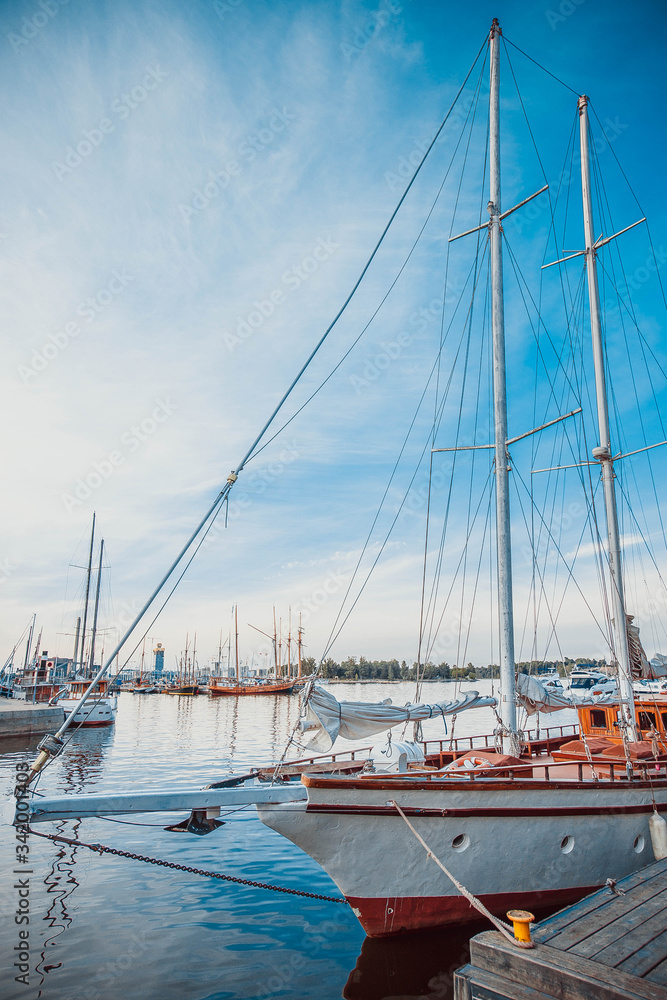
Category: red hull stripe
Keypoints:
(352, 810)
(381, 916)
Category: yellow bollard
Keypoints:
(521, 920)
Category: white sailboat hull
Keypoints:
(538, 847)
(98, 713)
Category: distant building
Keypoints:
(159, 659)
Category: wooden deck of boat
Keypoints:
(611, 945)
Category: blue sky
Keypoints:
(188, 193)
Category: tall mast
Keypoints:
(505, 609)
(275, 642)
(603, 452)
(85, 600)
(236, 628)
(28, 644)
(300, 644)
(76, 644)
(97, 605)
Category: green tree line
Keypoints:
(359, 668)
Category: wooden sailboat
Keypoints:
(186, 683)
(144, 686)
(516, 825)
(533, 829)
(221, 687)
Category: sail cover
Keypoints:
(658, 666)
(326, 718)
(532, 695)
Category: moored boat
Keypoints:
(513, 822)
(100, 711)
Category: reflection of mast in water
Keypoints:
(81, 766)
(276, 736)
(60, 883)
(234, 730)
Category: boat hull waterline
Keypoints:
(509, 844)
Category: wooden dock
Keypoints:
(611, 945)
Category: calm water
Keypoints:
(103, 927)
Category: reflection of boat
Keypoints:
(417, 965)
(220, 686)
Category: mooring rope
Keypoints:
(504, 928)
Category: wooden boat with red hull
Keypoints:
(478, 827)
(542, 828)
(220, 686)
(278, 684)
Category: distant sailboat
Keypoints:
(103, 707)
(185, 682)
(220, 686)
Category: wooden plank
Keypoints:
(559, 921)
(609, 907)
(605, 944)
(462, 990)
(645, 959)
(659, 973)
(471, 983)
(557, 973)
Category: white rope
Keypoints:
(504, 928)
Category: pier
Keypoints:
(20, 718)
(611, 945)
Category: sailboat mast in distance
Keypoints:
(97, 607)
(86, 598)
(236, 630)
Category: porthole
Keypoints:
(566, 844)
(461, 843)
(639, 844)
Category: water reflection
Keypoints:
(60, 883)
(419, 965)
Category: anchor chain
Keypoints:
(101, 849)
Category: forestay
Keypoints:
(326, 718)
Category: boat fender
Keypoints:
(658, 830)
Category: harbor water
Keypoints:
(102, 926)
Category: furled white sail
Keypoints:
(326, 718)
(534, 697)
